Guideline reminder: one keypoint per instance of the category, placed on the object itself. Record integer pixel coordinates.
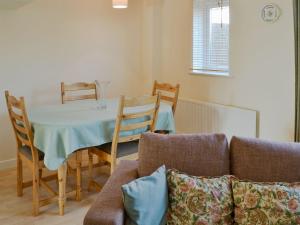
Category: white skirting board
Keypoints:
(8, 164)
(203, 117)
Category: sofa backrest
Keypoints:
(264, 161)
(195, 154)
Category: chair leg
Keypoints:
(78, 175)
(19, 176)
(113, 166)
(40, 173)
(90, 177)
(61, 174)
(35, 191)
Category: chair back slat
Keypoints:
(14, 102)
(138, 115)
(73, 92)
(25, 142)
(20, 128)
(129, 138)
(166, 90)
(135, 126)
(166, 87)
(16, 116)
(80, 97)
(168, 99)
(79, 86)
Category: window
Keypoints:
(211, 37)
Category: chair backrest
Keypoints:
(130, 125)
(21, 125)
(68, 91)
(168, 92)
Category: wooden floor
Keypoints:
(17, 210)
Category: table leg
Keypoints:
(62, 173)
(78, 175)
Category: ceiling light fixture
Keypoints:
(120, 4)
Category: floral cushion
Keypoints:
(199, 200)
(266, 204)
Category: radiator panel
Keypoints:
(203, 117)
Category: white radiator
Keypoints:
(203, 117)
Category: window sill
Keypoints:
(210, 73)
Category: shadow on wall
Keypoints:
(40, 96)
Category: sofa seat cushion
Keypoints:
(265, 161)
(199, 200)
(266, 203)
(194, 154)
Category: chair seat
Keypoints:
(162, 132)
(26, 151)
(124, 149)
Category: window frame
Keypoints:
(216, 73)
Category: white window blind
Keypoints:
(211, 37)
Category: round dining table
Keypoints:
(60, 130)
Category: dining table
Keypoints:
(62, 129)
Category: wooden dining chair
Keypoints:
(168, 92)
(127, 132)
(74, 92)
(26, 152)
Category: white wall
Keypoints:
(49, 41)
(262, 61)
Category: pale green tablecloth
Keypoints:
(59, 130)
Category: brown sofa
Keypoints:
(200, 155)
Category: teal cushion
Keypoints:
(146, 199)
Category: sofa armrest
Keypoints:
(108, 208)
